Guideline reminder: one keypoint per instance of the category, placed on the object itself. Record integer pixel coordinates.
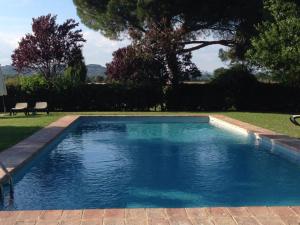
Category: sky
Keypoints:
(16, 18)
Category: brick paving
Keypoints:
(188, 216)
(19, 154)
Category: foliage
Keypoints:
(237, 75)
(63, 96)
(76, 71)
(130, 65)
(33, 83)
(12, 80)
(50, 47)
(164, 45)
(277, 48)
(156, 58)
(230, 23)
(236, 83)
(261, 97)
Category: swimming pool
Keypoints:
(169, 162)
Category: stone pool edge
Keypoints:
(159, 216)
(264, 135)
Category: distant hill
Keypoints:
(92, 70)
(95, 70)
(8, 70)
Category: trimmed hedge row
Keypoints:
(259, 97)
(89, 97)
(186, 97)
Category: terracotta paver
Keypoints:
(218, 212)
(114, 213)
(197, 212)
(51, 215)
(224, 220)
(137, 221)
(156, 214)
(27, 216)
(92, 222)
(238, 212)
(246, 220)
(206, 216)
(180, 221)
(201, 221)
(113, 221)
(135, 213)
(155, 221)
(176, 213)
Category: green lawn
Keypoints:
(14, 129)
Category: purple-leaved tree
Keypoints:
(50, 47)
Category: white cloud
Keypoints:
(10, 39)
(207, 58)
(98, 49)
(8, 42)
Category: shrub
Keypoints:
(33, 83)
(237, 84)
(214, 96)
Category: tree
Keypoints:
(277, 48)
(76, 70)
(229, 22)
(50, 47)
(198, 18)
(130, 65)
(164, 44)
(236, 83)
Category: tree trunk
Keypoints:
(173, 69)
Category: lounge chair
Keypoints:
(20, 107)
(41, 107)
(294, 118)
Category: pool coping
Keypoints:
(158, 216)
(16, 156)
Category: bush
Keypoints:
(33, 83)
(237, 84)
(85, 97)
(210, 97)
(224, 93)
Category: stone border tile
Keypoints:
(271, 137)
(239, 216)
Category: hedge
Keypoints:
(187, 97)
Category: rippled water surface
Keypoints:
(154, 162)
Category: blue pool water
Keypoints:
(154, 162)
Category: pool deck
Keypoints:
(193, 216)
(16, 156)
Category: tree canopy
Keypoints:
(277, 47)
(229, 22)
(50, 47)
(129, 65)
(172, 29)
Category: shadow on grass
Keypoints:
(11, 135)
(7, 117)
